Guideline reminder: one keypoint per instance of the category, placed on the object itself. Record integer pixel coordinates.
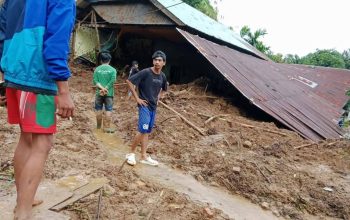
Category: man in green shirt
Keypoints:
(104, 79)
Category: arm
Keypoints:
(60, 21)
(134, 93)
(96, 82)
(111, 82)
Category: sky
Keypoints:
(293, 26)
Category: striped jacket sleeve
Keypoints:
(60, 22)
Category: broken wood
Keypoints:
(156, 205)
(99, 205)
(304, 145)
(214, 117)
(93, 186)
(262, 173)
(183, 118)
(167, 119)
(121, 167)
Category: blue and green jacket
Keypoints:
(34, 43)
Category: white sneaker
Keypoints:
(130, 159)
(149, 161)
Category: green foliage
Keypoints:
(278, 58)
(203, 6)
(327, 58)
(346, 58)
(253, 38)
(292, 59)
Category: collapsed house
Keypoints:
(307, 99)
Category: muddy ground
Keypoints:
(243, 155)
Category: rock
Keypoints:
(199, 178)
(247, 144)
(215, 184)
(108, 190)
(209, 212)
(140, 183)
(236, 169)
(265, 205)
(143, 212)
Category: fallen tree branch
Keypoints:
(99, 205)
(214, 117)
(304, 145)
(183, 118)
(167, 119)
(156, 205)
(262, 173)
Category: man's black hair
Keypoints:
(160, 54)
(133, 63)
(105, 57)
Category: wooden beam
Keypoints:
(184, 119)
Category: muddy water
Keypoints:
(234, 206)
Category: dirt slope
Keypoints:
(259, 162)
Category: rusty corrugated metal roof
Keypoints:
(131, 13)
(268, 86)
(329, 83)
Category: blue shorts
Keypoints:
(106, 101)
(146, 120)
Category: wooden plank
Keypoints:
(91, 187)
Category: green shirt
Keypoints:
(106, 76)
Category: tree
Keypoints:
(203, 6)
(253, 38)
(327, 58)
(292, 59)
(278, 57)
(346, 58)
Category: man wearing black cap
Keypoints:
(150, 82)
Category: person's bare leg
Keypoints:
(135, 142)
(31, 174)
(144, 143)
(21, 156)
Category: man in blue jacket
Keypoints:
(34, 46)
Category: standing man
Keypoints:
(104, 79)
(150, 82)
(34, 46)
(134, 69)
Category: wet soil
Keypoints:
(258, 162)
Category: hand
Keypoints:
(2, 100)
(141, 102)
(65, 105)
(102, 92)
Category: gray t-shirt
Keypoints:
(149, 85)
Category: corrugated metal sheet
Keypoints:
(268, 86)
(200, 22)
(132, 13)
(329, 83)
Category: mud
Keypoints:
(255, 163)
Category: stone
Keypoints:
(236, 169)
(265, 205)
(247, 144)
(209, 212)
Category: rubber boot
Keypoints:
(99, 119)
(107, 125)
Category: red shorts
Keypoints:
(35, 113)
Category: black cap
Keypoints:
(160, 54)
(105, 57)
(133, 63)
